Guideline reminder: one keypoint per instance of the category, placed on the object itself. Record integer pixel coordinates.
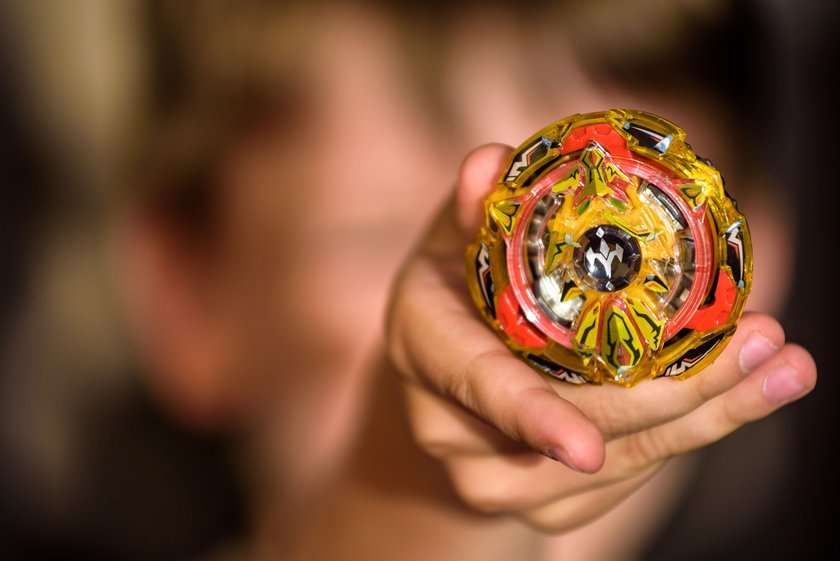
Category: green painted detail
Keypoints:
(582, 208)
(504, 213)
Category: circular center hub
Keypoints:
(608, 258)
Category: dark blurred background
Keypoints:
(90, 468)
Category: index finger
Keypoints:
(438, 341)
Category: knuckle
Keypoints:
(481, 498)
(399, 308)
(432, 439)
(395, 345)
(730, 416)
(394, 305)
(438, 449)
(705, 388)
(552, 520)
(572, 513)
(442, 428)
(475, 391)
(398, 355)
(483, 494)
(644, 449)
(464, 388)
(426, 422)
(609, 416)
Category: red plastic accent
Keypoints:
(514, 323)
(716, 313)
(601, 133)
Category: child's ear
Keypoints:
(181, 335)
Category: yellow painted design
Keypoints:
(694, 193)
(504, 213)
(639, 232)
(655, 284)
(600, 172)
(556, 245)
(647, 322)
(569, 181)
(621, 347)
(587, 333)
(570, 291)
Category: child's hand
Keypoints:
(555, 455)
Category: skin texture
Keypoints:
(474, 451)
(554, 455)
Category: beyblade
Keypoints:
(611, 252)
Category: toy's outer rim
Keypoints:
(684, 358)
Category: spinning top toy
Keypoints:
(611, 252)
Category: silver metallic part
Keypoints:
(549, 293)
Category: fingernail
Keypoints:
(782, 385)
(560, 454)
(755, 352)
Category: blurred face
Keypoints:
(319, 207)
(318, 211)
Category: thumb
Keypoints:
(478, 175)
(463, 212)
